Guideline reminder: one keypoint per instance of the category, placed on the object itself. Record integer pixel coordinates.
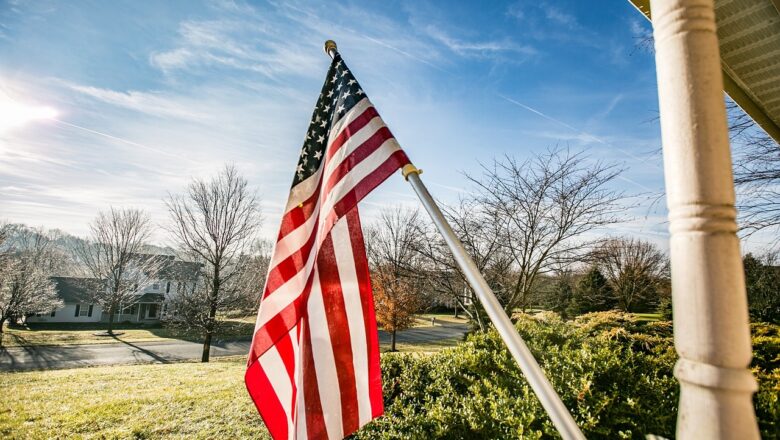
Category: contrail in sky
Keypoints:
(575, 129)
(118, 139)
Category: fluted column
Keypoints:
(711, 326)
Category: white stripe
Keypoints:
(345, 260)
(302, 191)
(354, 177)
(291, 428)
(285, 294)
(354, 112)
(324, 362)
(300, 409)
(293, 241)
(273, 366)
(351, 144)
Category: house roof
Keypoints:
(150, 297)
(749, 40)
(75, 290)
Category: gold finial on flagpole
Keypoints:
(330, 46)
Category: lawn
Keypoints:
(184, 400)
(66, 334)
(239, 328)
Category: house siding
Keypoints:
(67, 313)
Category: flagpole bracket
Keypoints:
(409, 169)
(330, 46)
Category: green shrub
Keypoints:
(612, 372)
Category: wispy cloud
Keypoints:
(234, 44)
(150, 103)
(478, 48)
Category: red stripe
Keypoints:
(285, 348)
(338, 327)
(289, 267)
(362, 188)
(369, 317)
(353, 127)
(297, 216)
(272, 331)
(358, 154)
(315, 422)
(265, 399)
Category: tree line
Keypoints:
(538, 230)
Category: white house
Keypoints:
(148, 305)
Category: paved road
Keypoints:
(71, 356)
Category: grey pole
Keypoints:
(549, 399)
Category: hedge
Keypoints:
(612, 372)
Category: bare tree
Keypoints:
(544, 206)
(636, 271)
(397, 275)
(214, 223)
(112, 256)
(27, 263)
(260, 254)
(480, 230)
(756, 172)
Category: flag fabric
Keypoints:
(313, 368)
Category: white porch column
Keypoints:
(712, 335)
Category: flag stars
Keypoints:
(330, 93)
(299, 169)
(318, 154)
(321, 139)
(360, 92)
(351, 81)
(341, 108)
(323, 124)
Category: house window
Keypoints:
(152, 310)
(52, 313)
(156, 286)
(168, 287)
(83, 310)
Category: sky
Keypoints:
(120, 103)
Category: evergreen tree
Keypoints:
(559, 295)
(593, 294)
(762, 280)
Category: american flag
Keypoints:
(313, 369)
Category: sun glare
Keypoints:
(14, 113)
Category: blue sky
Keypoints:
(148, 94)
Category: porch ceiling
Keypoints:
(749, 40)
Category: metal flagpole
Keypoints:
(549, 399)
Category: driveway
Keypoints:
(52, 357)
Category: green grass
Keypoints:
(184, 400)
(68, 334)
